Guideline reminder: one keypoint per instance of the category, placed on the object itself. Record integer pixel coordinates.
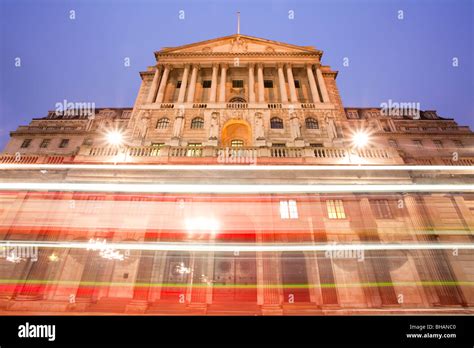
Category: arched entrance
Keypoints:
(295, 278)
(236, 131)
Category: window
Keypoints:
(353, 114)
(438, 144)
(418, 143)
(87, 142)
(316, 145)
(26, 143)
(163, 123)
(311, 123)
(297, 84)
(64, 143)
(268, 84)
(276, 123)
(237, 83)
(236, 143)
(278, 145)
(156, 147)
(288, 209)
(44, 144)
(206, 84)
(194, 150)
(335, 209)
(197, 123)
(393, 143)
(178, 84)
(458, 143)
(381, 209)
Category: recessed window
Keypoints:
(163, 123)
(268, 84)
(45, 143)
(393, 143)
(178, 84)
(297, 84)
(197, 123)
(353, 114)
(288, 209)
(64, 143)
(206, 84)
(237, 143)
(87, 142)
(311, 123)
(276, 123)
(458, 143)
(438, 144)
(26, 143)
(237, 83)
(418, 143)
(335, 209)
(194, 150)
(381, 209)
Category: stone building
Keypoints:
(249, 102)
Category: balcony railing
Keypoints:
(291, 152)
(237, 105)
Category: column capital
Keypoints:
(168, 66)
(259, 65)
(251, 65)
(215, 65)
(309, 65)
(280, 65)
(224, 65)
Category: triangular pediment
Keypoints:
(238, 44)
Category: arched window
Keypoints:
(311, 123)
(236, 143)
(197, 123)
(163, 123)
(276, 123)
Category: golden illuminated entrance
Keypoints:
(236, 132)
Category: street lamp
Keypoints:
(114, 138)
(360, 139)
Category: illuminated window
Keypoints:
(288, 209)
(381, 209)
(156, 147)
(335, 209)
(194, 150)
(237, 143)
(163, 123)
(276, 123)
(311, 123)
(197, 123)
(26, 143)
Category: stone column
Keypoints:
(251, 83)
(192, 84)
(164, 81)
(212, 97)
(322, 86)
(154, 86)
(291, 84)
(312, 83)
(261, 89)
(222, 84)
(184, 82)
(281, 81)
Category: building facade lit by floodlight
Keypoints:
(238, 101)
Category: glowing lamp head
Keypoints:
(360, 139)
(115, 138)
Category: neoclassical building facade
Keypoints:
(274, 110)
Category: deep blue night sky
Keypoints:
(407, 60)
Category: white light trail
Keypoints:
(190, 246)
(231, 188)
(212, 167)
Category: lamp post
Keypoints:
(360, 139)
(115, 138)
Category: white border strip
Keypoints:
(189, 246)
(231, 188)
(213, 167)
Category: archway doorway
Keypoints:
(236, 132)
(295, 277)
